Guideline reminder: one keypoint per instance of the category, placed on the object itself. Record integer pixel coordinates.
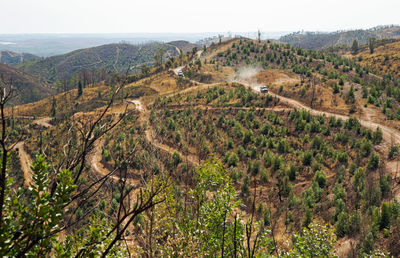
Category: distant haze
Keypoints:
(183, 16)
(45, 45)
(48, 27)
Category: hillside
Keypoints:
(167, 163)
(28, 87)
(384, 60)
(112, 57)
(319, 40)
(184, 45)
(11, 58)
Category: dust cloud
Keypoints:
(248, 75)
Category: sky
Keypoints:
(186, 16)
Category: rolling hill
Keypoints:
(184, 45)
(384, 60)
(111, 57)
(28, 88)
(316, 40)
(12, 58)
(314, 155)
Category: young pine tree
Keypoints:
(54, 108)
(80, 89)
(371, 45)
(354, 47)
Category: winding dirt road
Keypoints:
(390, 135)
(25, 162)
(24, 158)
(95, 162)
(151, 135)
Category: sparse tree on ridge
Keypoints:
(158, 57)
(354, 47)
(194, 50)
(80, 88)
(371, 45)
(145, 69)
(220, 38)
(54, 108)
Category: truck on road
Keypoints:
(263, 89)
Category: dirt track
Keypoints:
(150, 135)
(24, 158)
(25, 161)
(390, 135)
(44, 122)
(95, 163)
(137, 103)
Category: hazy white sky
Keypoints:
(128, 16)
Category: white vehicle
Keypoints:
(263, 89)
(180, 73)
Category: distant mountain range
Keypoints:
(111, 57)
(317, 40)
(12, 58)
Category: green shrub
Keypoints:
(354, 223)
(373, 162)
(307, 158)
(342, 224)
(176, 159)
(393, 151)
(233, 159)
(292, 172)
(246, 185)
(320, 178)
(384, 221)
(342, 157)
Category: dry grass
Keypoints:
(92, 98)
(384, 59)
(217, 73)
(64, 101)
(278, 78)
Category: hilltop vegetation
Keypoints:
(316, 40)
(323, 80)
(184, 45)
